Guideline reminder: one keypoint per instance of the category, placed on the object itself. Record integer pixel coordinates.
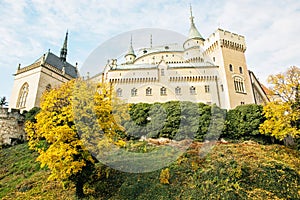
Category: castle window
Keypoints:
(230, 67)
(162, 72)
(133, 92)
(214, 59)
(206, 87)
(242, 103)
(48, 87)
(239, 85)
(148, 91)
(222, 88)
(163, 91)
(177, 90)
(23, 96)
(241, 70)
(192, 90)
(119, 92)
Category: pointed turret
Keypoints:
(130, 56)
(64, 49)
(194, 33)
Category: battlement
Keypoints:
(14, 113)
(225, 39)
(11, 127)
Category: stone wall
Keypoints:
(11, 127)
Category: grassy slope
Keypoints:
(230, 171)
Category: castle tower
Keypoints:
(194, 43)
(30, 82)
(64, 49)
(130, 56)
(227, 50)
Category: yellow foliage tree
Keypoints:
(62, 148)
(282, 115)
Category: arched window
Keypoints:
(48, 87)
(23, 95)
(230, 67)
(192, 90)
(119, 92)
(163, 91)
(148, 91)
(206, 87)
(239, 85)
(133, 92)
(241, 70)
(177, 90)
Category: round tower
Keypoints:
(130, 56)
(192, 50)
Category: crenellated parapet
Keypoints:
(11, 127)
(224, 39)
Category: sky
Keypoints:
(30, 27)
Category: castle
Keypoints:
(212, 71)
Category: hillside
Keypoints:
(230, 171)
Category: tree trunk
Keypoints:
(79, 190)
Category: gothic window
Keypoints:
(206, 87)
(177, 90)
(241, 70)
(133, 92)
(230, 67)
(23, 96)
(192, 90)
(119, 92)
(239, 85)
(148, 91)
(163, 91)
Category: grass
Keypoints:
(229, 171)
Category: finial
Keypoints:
(48, 50)
(191, 11)
(19, 67)
(64, 49)
(63, 70)
(131, 40)
(151, 41)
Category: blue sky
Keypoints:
(30, 27)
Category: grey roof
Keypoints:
(162, 48)
(194, 33)
(56, 62)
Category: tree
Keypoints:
(282, 116)
(61, 147)
(243, 122)
(3, 102)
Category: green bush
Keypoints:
(242, 123)
(30, 115)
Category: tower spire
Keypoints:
(191, 17)
(64, 49)
(130, 56)
(194, 33)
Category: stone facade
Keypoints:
(11, 127)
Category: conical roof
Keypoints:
(194, 33)
(130, 49)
